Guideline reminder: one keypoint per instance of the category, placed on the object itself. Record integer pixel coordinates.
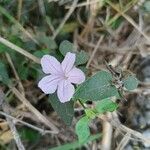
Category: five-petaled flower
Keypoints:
(61, 76)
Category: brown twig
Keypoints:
(34, 110)
(72, 8)
(107, 135)
(42, 7)
(20, 50)
(130, 20)
(94, 51)
(15, 73)
(11, 123)
(18, 25)
(124, 142)
(15, 134)
(42, 131)
(114, 121)
(85, 4)
(19, 9)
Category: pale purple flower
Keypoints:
(61, 76)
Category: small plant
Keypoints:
(104, 88)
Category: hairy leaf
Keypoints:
(82, 58)
(65, 47)
(96, 88)
(4, 74)
(130, 83)
(106, 105)
(64, 110)
(82, 129)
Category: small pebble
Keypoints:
(146, 134)
(147, 117)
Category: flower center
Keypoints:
(65, 77)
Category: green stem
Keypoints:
(82, 104)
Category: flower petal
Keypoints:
(76, 76)
(50, 65)
(65, 91)
(49, 84)
(68, 62)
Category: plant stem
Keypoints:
(82, 104)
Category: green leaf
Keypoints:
(106, 105)
(69, 27)
(4, 78)
(66, 46)
(64, 110)
(30, 135)
(82, 58)
(76, 144)
(3, 48)
(96, 88)
(36, 72)
(147, 6)
(49, 42)
(41, 53)
(130, 83)
(83, 68)
(23, 70)
(30, 45)
(116, 23)
(46, 41)
(82, 129)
